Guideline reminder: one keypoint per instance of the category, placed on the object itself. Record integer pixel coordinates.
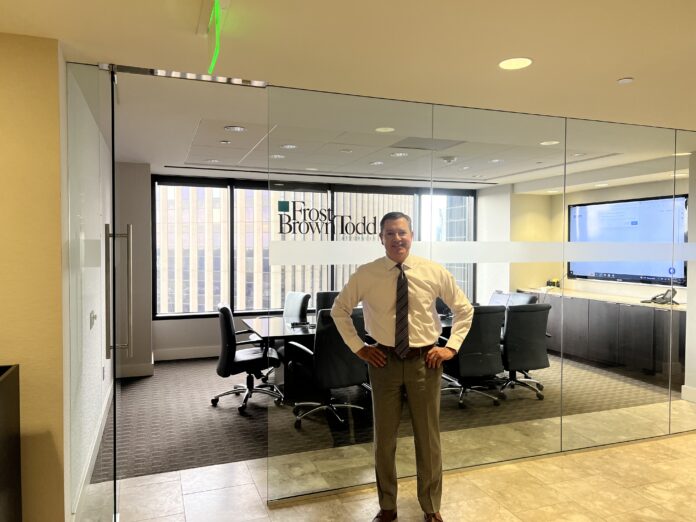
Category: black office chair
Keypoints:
(478, 361)
(442, 308)
(325, 300)
(251, 360)
(524, 345)
(331, 365)
(295, 308)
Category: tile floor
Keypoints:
(647, 480)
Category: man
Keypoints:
(398, 293)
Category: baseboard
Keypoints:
(688, 393)
(135, 370)
(94, 451)
(186, 352)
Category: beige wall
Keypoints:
(30, 264)
(530, 220)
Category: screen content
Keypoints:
(658, 220)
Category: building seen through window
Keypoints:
(196, 240)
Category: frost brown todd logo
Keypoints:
(295, 218)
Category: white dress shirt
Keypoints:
(374, 284)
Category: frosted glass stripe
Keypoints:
(358, 252)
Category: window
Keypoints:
(196, 243)
(257, 284)
(192, 250)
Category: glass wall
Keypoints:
(579, 224)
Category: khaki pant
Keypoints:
(422, 386)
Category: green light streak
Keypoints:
(215, 22)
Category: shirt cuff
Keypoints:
(356, 345)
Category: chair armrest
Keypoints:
(548, 334)
(248, 330)
(300, 347)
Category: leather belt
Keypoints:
(413, 352)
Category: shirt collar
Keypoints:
(409, 262)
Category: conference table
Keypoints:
(277, 328)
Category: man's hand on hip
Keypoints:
(435, 356)
(372, 355)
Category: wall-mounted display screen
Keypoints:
(651, 220)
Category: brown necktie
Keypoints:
(401, 331)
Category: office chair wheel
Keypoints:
(264, 379)
(241, 408)
(540, 396)
(214, 401)
(278, 401)
(540, 387)
(502, 396)
(496, 402)
(461, 405)
(298, 424)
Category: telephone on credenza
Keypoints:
(664, 298)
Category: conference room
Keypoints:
(569, 235)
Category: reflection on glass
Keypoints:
(619, 208)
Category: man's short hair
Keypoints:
(390, 216)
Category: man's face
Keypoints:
(396, 238)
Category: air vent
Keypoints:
(425, 144)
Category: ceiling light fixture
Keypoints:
(399, 154)
(449, 159)
(288, 146)
(235, 128)
(683, 154)
(385, 129)
(513, 64)
(552, 191)
(225, 142)
(550, 142)
(681, 175)
(377, 163)
(212, 160)
(495, 160)
(625, 81)
(312, 169)
(601, 184)
(347, 151)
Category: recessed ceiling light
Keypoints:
(513, 64)
(625, 81)
(601, 184)
(578, 154)
(288, 146)
(276, 156)
(235, 128)
(377, 163)
(464, 167)
(399, 154)
(495, 161)
(313, 169)
(385, 129)
(552, 191)
(550, 142)
(212, 160)
(683, 154)
(225, 142)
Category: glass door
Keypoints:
(88, 216)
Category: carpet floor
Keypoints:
(166, 422)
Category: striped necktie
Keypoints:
(401, 331)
